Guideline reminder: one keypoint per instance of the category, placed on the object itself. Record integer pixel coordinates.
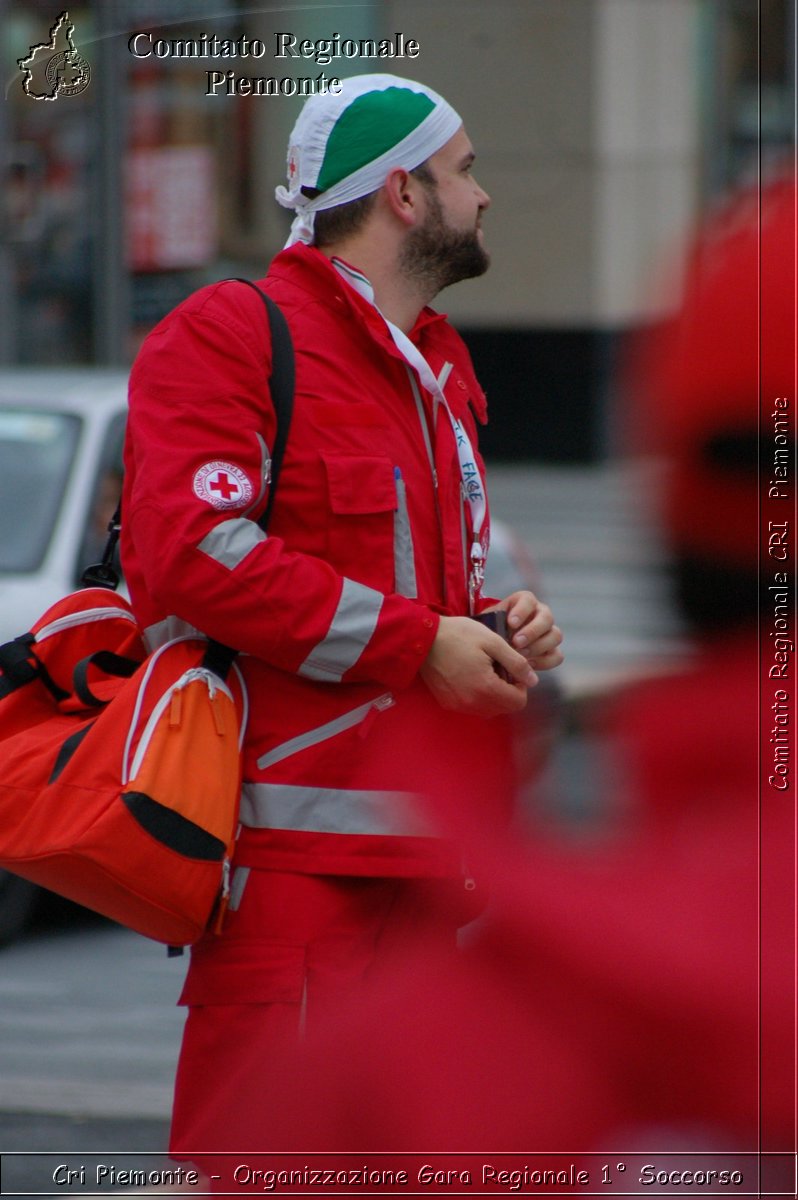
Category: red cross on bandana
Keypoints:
(222, 485)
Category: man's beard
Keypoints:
(437, 256)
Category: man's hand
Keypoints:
(459, 669)
(531, 629)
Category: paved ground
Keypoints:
(82, 1012)
(89, 1035)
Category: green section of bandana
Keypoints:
(370, 125)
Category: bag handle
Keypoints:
(20, 666)
(108, 663)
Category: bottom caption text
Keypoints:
(399, 1174)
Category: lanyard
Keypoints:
(473, 489)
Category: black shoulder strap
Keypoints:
(281, 385)
(218, 657)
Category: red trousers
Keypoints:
(294, 948)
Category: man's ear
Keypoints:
(401, 192)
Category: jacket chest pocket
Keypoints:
(362, 498)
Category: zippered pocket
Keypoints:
(172, 699)
(323, 733)
(87, 616)
(181, 763)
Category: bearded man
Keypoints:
(378, 735)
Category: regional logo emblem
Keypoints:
(55, 68)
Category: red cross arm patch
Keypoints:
(222, 485)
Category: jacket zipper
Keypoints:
(425, 429)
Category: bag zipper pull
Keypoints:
(218, 714)
(176, 709)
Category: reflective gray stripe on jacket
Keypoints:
(332, 810)
(231, 541)
(350, 630)
(404, 559)
(353, 623)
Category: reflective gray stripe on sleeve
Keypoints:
(332, 810)
(231, 541)
(167, 630)
(350, 630)
(404, 559)
(321, 734)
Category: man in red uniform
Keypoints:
(370, 684)
(637, 995)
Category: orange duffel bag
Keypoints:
(121, 774)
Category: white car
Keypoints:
(61, 434)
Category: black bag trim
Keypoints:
(107, 662)
(68, 748)
(17, 664)
(20, 666)
(173, 830)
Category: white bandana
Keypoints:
(399, 122)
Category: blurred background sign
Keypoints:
(170, 207)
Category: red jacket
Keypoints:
(335, 611)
